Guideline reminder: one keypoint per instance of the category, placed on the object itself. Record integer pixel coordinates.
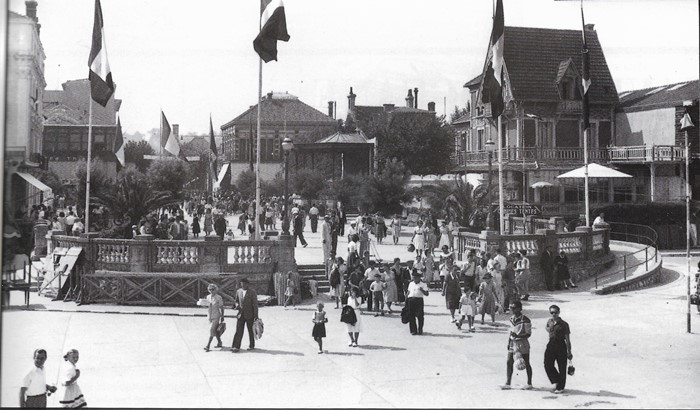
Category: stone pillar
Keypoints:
(40, 231)
(549, 239)
(557, 223)
(213, 254)
(139, 253)
(489, 241)
(586, 241)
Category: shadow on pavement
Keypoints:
(24, 307)
(375, 347)
(447, 335)
(600, 393)
(344, 353)
(273, 352)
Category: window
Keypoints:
(480, 139)
(623, 195)
(573, 195)
(74, 142)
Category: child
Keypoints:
(446, 261)
(319, 331)
(467, 307)
(229, 234)
(377, 288)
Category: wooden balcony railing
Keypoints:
(631, 154)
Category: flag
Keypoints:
(686, 122)
(586, 77)
(119, 143)
(168, 139)
(273, 27)
(492, 88)
(101, 84)
(212, 148)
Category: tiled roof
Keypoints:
(533, 57)
(670, 95)
(345, 138)
(473, 82)
(462, 120)
(280, 107)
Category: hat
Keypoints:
(416, 273)
(353, 223)
(295, 211)
(487, 276)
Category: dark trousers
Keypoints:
(368, 293)
(469, 284)
(314, 223)
(549, 278)
(299, 234)
(36, 402)
(334, 244)
(239, 333)
(415, 311)
(556, 353)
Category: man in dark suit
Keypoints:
(247, 305)
(547, 265)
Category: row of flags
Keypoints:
(273, 25)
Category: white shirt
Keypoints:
(370, 272)
(414, 289)
(502, 262)
(313, 211)
(598, 220)
(70, 219)
(35, 382)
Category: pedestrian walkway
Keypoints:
(626, 349)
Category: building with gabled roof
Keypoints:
(282, 115)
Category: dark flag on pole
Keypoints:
(212, 150)
(101, 84)
(273, 27)
(165, 130)
(586, 77)
(686, 122)
(119, 143)
(492, 89)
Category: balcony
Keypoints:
(642, 154)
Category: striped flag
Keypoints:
(212, 148)
(492, 88)
(101, 84)
(686, 122)
(586, 76)
(273, 27)
(168, 139)
(119, 143)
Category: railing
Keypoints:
(641, 234)
(629, 154)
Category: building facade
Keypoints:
(282, 115)
(65, 136)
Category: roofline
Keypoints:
(688, 82)
(655, 106)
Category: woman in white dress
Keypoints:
(418, 238)
(69, 394)
(390, 292)
(444, 236)
(354, 329)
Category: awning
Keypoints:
(594, 171)
(33, 181)
(222, 174)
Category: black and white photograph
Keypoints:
(350, 203)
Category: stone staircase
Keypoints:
(317, 273)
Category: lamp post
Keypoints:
(490, 147)
(287, 146)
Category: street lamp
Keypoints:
(490, 148)
(287, 146)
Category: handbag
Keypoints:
(695, 299)
(570, 369)
(258, 328)
(220, 328)
(411, 247)
(404, 315)
(519, 360)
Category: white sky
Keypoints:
(192, 58)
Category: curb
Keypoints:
(113, 312)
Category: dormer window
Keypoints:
(568, 81)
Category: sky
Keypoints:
(193, 59)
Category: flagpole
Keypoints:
(258, 207)
(687, 219)
(586, 129)
(160, 134)
(87, 175)
(501, 206)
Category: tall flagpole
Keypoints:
(501, 202)
(586, 129)
(87, 175)
(258, 207)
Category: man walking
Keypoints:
(247, 305)
(558, 350)
(547, 265)
(414, 301)
(518, 345)
(32, 393)
(298, 220)
(313, 217)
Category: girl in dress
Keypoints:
(488, 297)
(447, 259)
(289, 291)
(390, 292)
(70, 395)
(354, 329)
(444, 237)
(380, 228)
(195, 226)
(561, 271)
(429, 263)
(319, 331)
(396, 228)
(418, 239)
(215, 314)
(208, 222)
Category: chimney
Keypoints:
(409, 99)
(330, 109)
(176, 130)
(415, 97)
(431, 106)
(351, 101)
(590, 27)
(31, 12)
(389, 107)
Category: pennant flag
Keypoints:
(686, 122)
(168, 139)
(273, 27)
(101, 84)
(492, 88)
(212, 146)
(586, 76)
(119, 143)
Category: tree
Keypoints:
(308, 183)
(425, 144)
(458, 113)
(100, 183)
(246, 184)
(346, 190)
(453, 198)
(386, 191)
(168, 175)
(132, 197)
(134, 152)
(273, 187)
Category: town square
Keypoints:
(350, 204)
